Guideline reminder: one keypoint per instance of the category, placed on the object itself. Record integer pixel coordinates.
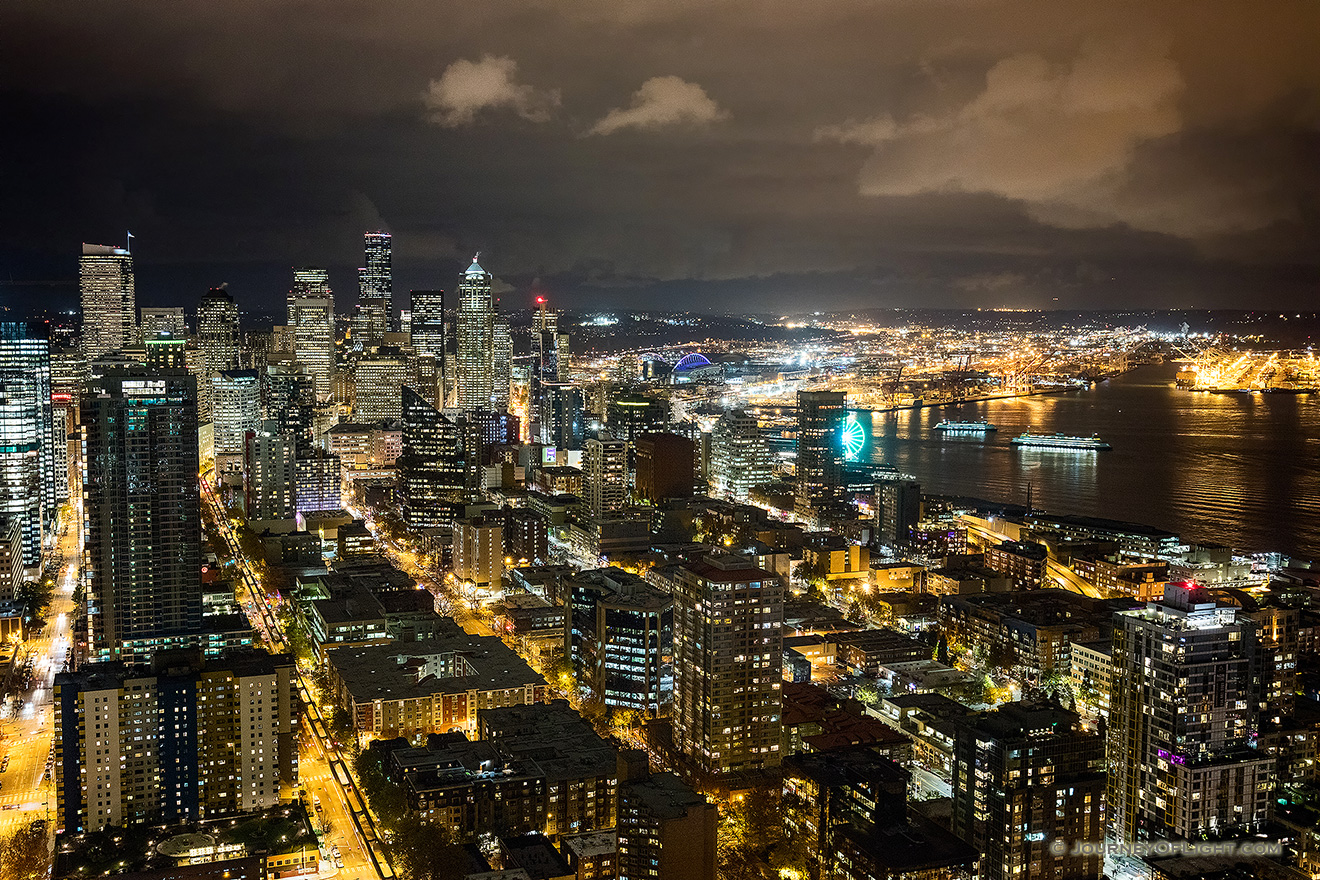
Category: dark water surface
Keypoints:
(1238, 469)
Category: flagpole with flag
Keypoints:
(129, 246)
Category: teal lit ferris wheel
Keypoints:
(853, 438)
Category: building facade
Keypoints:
(109, 299)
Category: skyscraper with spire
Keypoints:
(474, 331)
(376, 285)
(109, 299)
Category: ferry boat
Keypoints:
(1060, 441)
(981, 427)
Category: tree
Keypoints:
(24, 855)
(36, 595)
(421, 850)
(942, 651)
(750, 830)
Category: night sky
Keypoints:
(754, 155)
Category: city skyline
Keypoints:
(822, 154)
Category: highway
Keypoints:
(327, 772)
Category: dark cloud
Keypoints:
(901, 152)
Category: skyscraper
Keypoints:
(312, 323)
(728, 641)
(501, 353)
(474, 332)
(427, 323)
(739, 456)
(898, 510)
(376, 285)
(605, 474)
(1182, 721)
(269, 473)
(236, 405)
(380, 377)
(819, 452)
(142, 518)
(1025, 777)
(162, 322)
(217, 331)
(31, 487)
(109, 300)
(431, 466)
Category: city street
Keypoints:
(26, 733)
(322, 769)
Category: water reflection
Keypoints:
(1238, 469)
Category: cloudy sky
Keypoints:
(725, 154)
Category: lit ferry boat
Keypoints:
(1060, 441)
(981, 427)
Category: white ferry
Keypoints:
(1060, 441)
(981, 427)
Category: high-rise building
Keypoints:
(664, 467)
(605, 474)
(31, 485)
(109, 299)
(142, 514)
(1025, 777)
(217, 331)
(739, 456)
(177, 743)
(635, 648)
(427, 324)
(162, 322)
(1182, 721)
(289, 398)
(545, 342)
(819, 452)
(269, 473)
(319, 481)
(11, 556)
(728, 641)
(474, 332)
(236, 409)
(560, 415)
(898, 510)
(312, 322)
(632, 415)
(666, 830)
(479, 551)
(431, 466)
(380, 378)
(502, 359)
(376, 285)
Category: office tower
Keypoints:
(560, 413)
(479, 551)
(431, 465)
(289, 399)
(376, 286)
(562, 359)
(319, 481)
(898, 510)
(1025, 777)
(605, 474)
(474, 332)
(166, 353)
(728, 641)
(217, 331)
(109, 301)
(631, 415)
(1277, 645)
(635, 648)
(819, 452)
(664, 467)
(502, 359)
(379, 380)
(177, 743)
(270, 473)
(545, 342)
(427, 337)
(312, 323)
(405, 321)
(141, 519)
(236, 401)
(31, 486)
(739, 456)
(1182, 721)
(162, 322)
